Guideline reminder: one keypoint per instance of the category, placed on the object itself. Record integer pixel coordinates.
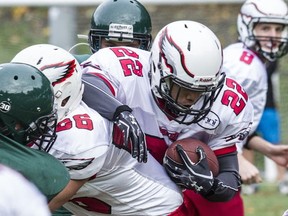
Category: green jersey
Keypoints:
(41, 168)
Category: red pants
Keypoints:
(204, 207)
(186, 209)
(195, 205)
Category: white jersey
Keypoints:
(118, 184)
(19, 197)
(248, 70)
(126, 72)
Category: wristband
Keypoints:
(121, 109)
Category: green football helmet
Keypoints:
(120, 20)
(27, 114)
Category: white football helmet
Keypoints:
(188, 54)
(263, 11)
(63, 71)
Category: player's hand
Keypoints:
(134, 138)
(279, 154)
(248, 172)
(195, 176)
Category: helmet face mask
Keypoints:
(42, 132)
(271, 53)
(26, 106)
(120, 21)
(140, 41)
(254, 12)
(179, 112)
(177, 61)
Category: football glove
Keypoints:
(134, 138)
(190, 175)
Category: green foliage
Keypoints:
(23, 28)
(266, 202)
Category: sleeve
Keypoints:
(257, 91)
(227, 183)
(97, 90)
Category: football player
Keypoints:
(263, 37)
(105, 179)
(177, 91)
(116, 23)
(27, 116)
(120, 23)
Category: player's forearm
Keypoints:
(66, 194)
(257, 143)
(227, 183)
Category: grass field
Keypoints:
(266, 202)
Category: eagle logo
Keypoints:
(60, 71)
(170, 51)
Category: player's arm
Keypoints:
(228, 182)
(66, 194)
(278, 153)
(98, 96)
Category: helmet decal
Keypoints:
(59, 72)
(62, 70)
(167, 45)
(5, 106)
(120, 30)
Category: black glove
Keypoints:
(134, 139)
(195, 176)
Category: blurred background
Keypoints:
(27, 22)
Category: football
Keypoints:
(190, 145)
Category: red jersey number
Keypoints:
(247, 57)
(129, 61)
(82, 121)
(235, 96)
